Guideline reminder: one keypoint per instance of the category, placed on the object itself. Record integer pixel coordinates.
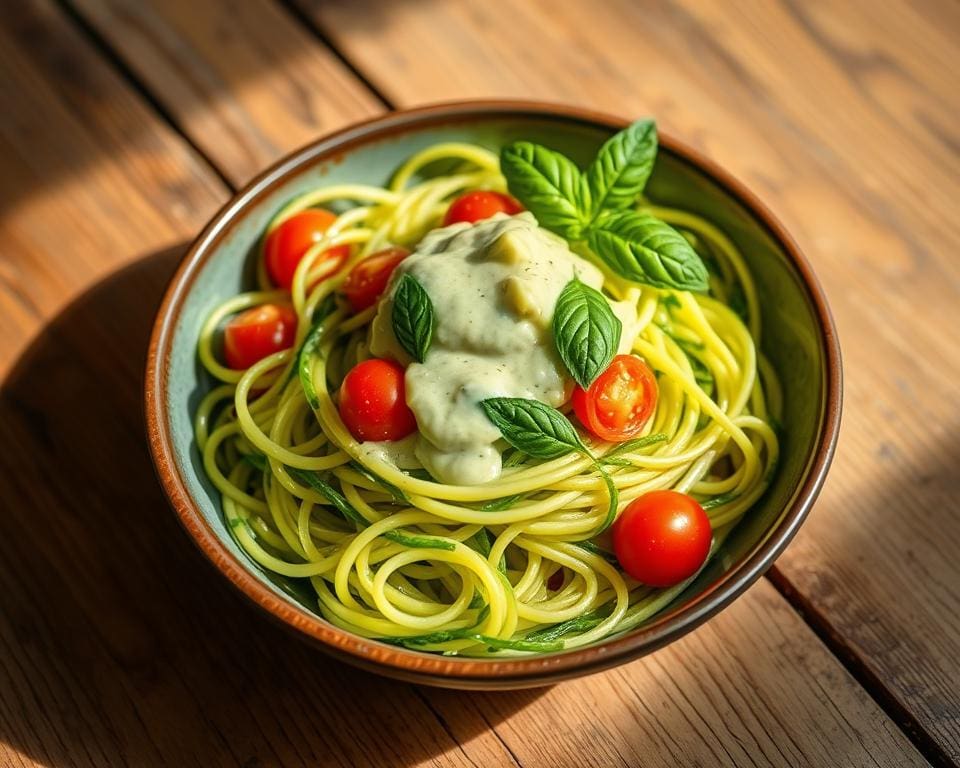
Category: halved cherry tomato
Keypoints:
(368, 279)
(258, 332)
(619, 402)
(288, 244)
(373, 402)
(481, 204)
(662, 538)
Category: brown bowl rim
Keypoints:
(453, 671)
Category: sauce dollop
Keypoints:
(494, 286)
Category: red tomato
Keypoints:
(258, 332)
(373, 402)
(619, 402)
(368, 279)
(481, 204)
(662, 538)
(288, 243)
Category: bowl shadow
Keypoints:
(120, 644)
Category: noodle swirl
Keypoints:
(465, 569)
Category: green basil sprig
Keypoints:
(548, 183)
(544, 433)
(533, 427)
(640, 247)
(412, 318)
(620, 170)
(596, 207)
(586, 331)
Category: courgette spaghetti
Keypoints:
(514, 566)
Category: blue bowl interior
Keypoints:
(790, 326)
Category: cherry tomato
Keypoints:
(480, 204)
(619, 402)
(288, 243)
(373, 402)
(662, 538)
(368, 279)
(258, 332)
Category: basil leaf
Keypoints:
(638, 246)
(620, 171)
(548, 184)
(586, 331)
(533, 427)
(413, 319)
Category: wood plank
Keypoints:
(226, 688)
(79, 150)
(244, 80)
(143, 66)
(118, 645)
(843, 117)
(756, 690)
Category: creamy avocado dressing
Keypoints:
(494, 286)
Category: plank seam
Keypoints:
(446, 727)
(113, 57)
(855, 665)
(313, 27)
(911, 727)
(500, 738)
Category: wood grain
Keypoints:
(91, 179)
(118, 645)
(244, 80)
(844, 118)
(750, 692)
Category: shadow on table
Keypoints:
(120, 645)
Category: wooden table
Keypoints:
(124, 124)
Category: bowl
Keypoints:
(799, 338)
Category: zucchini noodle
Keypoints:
(506, 567)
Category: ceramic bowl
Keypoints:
(798, 336)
